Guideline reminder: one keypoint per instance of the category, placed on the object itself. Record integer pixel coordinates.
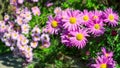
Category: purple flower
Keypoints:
(53, 25)
(85, 17)
(96, 28)
(45, 44)
(78, 38)
(33, 44)
(96, 15)
(72, 20)
(36, 10)
(106, 53)
(6, 17)
(111, 17)
(57, 10)
(103, 62)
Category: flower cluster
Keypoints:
(75, 26)
(19, 36)
(104, 60)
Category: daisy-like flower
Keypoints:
(111, 17)
(106, 53)
(25, 28)
(19, 20)
(34, 44)
(57, 10)
(96, 15)
(6, 17)
(36, 10)
(45, 37)
(45, 44)
(72, 20)
(85, 17)
(65, 38)
(3, 27)
(78, 38)
(103, 62)
(53, 25)
(96, 28)
(28, 16)
(24, 41)
(14, 35)
(36, 30)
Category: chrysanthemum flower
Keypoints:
(111, 17)
(78, 38)
(106, 53)
(96, 28)
(53, 25)
(85, 17)
(72, 20)
(96, 15)
(103, 62)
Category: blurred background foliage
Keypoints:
(58, 55)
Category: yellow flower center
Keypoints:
(103, 65)
(54, 24)
(106, 54)
(95, 17)
(85, 18)
(72, 20)
(111, 17)
(79, 37)
(97, 26)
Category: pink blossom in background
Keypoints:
(48, 4)
(57, 10)
(36, 11)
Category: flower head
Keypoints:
(36, 10)
(106, 53)
(103, 62)
(78, 38)
(72, 20)
(53, 25)
(96, 28)
(85, 17)
(111, 17)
